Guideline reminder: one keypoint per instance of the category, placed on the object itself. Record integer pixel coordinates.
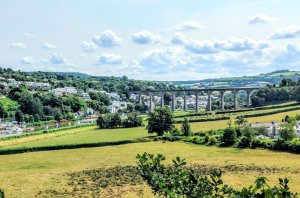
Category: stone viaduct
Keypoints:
(208, 91)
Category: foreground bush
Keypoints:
(178, 181)
(1, 193)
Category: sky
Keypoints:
(151, 39)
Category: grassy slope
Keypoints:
(92, 134)
(19, 172)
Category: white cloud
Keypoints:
(27, 60)
(88, 46)
(28, 35)
(178, 38)
(145, 37)
(107, 39)
(189, 25)
(169, 57)
(235, 44)
(232, 44)
(57, 59)
(290, 32)
(18, 45)
(290, 55)
(47, 45)
(259, 18)
(110, 59)
(201, 47)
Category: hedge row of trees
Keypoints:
(109, 121)
(287, 90)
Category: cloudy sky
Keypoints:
(151, 39)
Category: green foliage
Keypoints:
(248, 132)
(287, 131)
(7, 107)
(132, 121)
(178, 181)
(1, 193)
(109, 121)
(240, 120)
(186, 127)
(229, 136)
(160, 121)
(262, 131)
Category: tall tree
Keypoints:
(161, 120)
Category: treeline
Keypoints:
(287, 90)
(109, 121)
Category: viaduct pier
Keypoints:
(185, 92)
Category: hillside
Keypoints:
(259, 80)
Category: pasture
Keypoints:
(45, 173)
(73, 172)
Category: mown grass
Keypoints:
(25, 175)
(94, 135)
(90, 135)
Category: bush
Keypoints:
(212, 140)
(244, 142)
(1, 193)
(229, 137)
(186, 128)
(132, 121)
(178, 181)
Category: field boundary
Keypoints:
(71, 146)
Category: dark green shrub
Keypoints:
(229, 137)
(178, 181)
(244, 142)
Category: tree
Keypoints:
(132, 121)
(297, 93)
(240, 120)
(115, 121)
(186, 128)
(101, 122)
(19, 116)
(229, 136)
(287, 131)
(161, 120)
(262, 131)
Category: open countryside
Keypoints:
(129, 99)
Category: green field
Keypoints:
(25, 175)
(39, 173)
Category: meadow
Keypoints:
(73, 172)
(47, 173)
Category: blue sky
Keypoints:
(151, 39)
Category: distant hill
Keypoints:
(258, 80)
(75, 74)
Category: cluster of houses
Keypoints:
(273, 129)
(31, 85)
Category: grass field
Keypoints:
(93, 135)
(28, 174)
(25, 175)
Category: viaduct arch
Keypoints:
(209, 91)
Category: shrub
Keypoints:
(244, 142)
(178, 181)
(186, 128)
(1, 193)
(132, 121)
(229, 137)
(212, 140)
(287, 131)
